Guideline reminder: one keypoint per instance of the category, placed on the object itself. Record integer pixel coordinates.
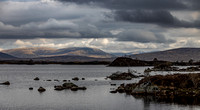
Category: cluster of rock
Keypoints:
(76, 79)
(71, 86)
(67, 85)
(123, 76)
(169, 86)
(169, 67)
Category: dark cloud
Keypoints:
(148, 11)
(134, 4)
(162, 18)
(143, 4)
(143, 36)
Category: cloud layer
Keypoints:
(160, 24)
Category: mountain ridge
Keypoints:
(4, 56)
(37, 52)
(177, 54)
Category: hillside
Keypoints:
(4, 56)
(37, 52)
(68, 58)
(179, 54)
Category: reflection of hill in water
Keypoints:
(169, 100)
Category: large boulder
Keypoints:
(41, 89)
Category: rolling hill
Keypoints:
(38, 52)
(4, 56)
(179, 54)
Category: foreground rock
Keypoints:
(71, 86)
(177, 85)
(41, 89)
(5, 83)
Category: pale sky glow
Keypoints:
(110, 25)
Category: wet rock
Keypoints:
(69, 85)
(82, 88)
(56, 80)
(58, 88)
(83, 78)
(36, 79)
(74, 88)
(78, 88)
(5, 83)
(75, 78)
(41, 89)
(30, 88)
(113, 84)
(122, 76)
(113, 91)
(120, 89)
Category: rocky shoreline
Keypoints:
(177, 85)
(170, 67)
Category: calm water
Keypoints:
(17, 96)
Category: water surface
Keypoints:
(17, 96)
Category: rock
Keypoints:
(56, 80)
(113, 91)
(113, 84)
(58, 88)
(30, 88)
(41, 89)
(36, 79)
(75, 78)
(83, 78)
(128, 78)
(49, 80)
(122, 76)
(64, 80)
(120, 89)
(69, 85)
(82, 88)
(95, 80)
(6, 83)
(74, 88)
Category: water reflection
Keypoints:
(168, 100)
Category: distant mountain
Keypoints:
(4, 56)
(126, 54)
(179, 54)
(38, 52)
(68, 58)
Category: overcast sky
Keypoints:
(110, 25)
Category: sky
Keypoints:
(110, 25)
